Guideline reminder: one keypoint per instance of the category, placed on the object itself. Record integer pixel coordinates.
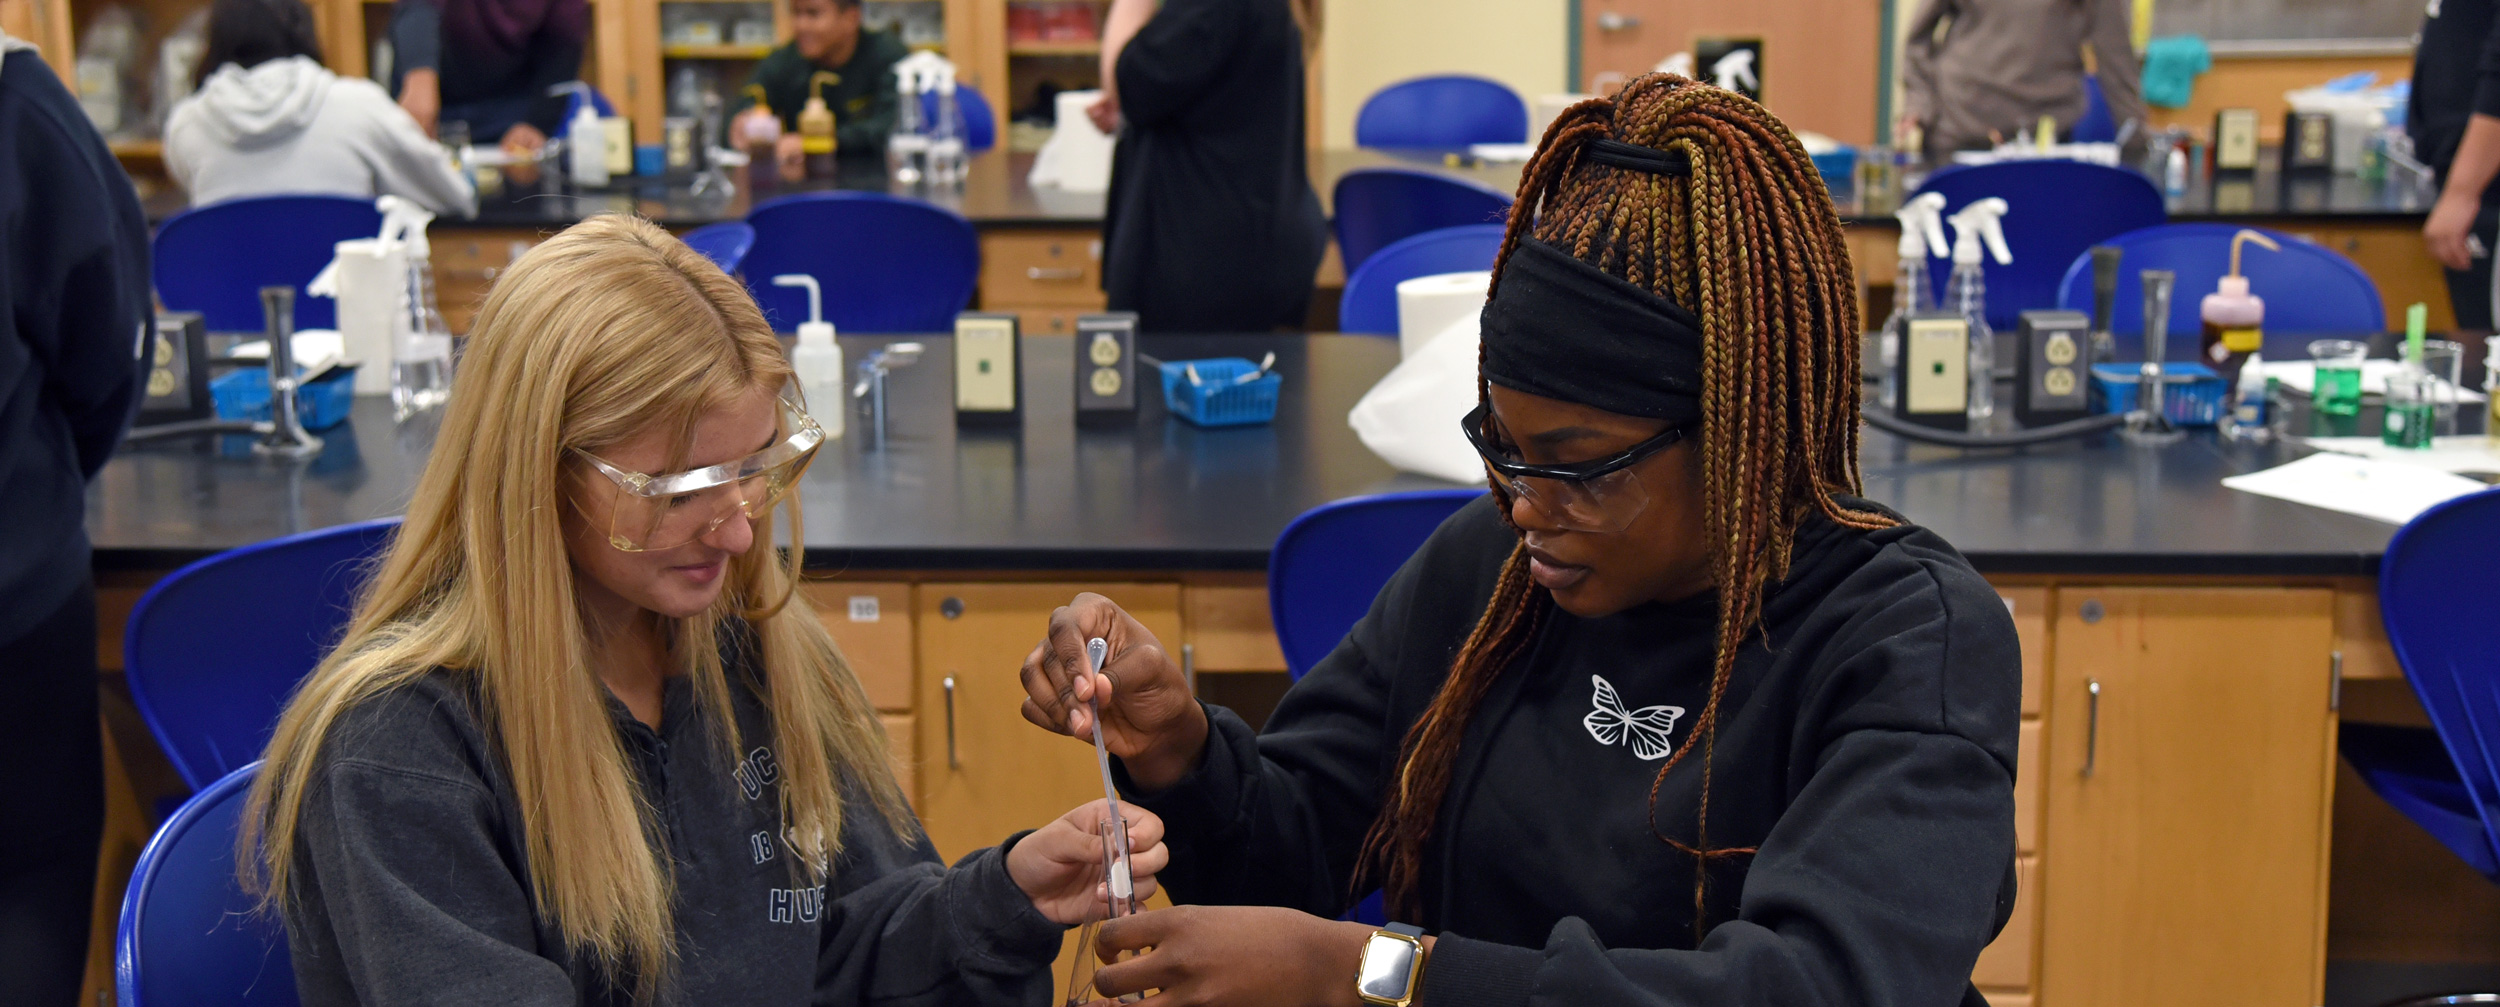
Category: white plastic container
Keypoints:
(818, 360)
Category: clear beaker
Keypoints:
(2444, 361)
(2336, 389)
(2411, 410)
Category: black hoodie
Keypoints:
(73, 303)
(1866, 747)
(415, 887)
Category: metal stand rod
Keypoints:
(285, 437)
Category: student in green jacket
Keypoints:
(826, 37)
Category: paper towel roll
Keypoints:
(372, 281)
(1428, 304)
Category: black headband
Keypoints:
(1638, 158)
(1563, 329)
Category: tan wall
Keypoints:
(1371, 43)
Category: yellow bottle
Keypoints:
(816, 126)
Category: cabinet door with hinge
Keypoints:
(2190, 753)
(984, 772)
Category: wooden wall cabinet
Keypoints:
(2190, 753)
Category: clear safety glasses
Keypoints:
(653, 513)
(1602, 495)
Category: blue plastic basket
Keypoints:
(244, 395)
(2192, 394)
(1220, 398)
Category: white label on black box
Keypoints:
(864, 608)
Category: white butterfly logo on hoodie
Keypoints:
(1646, 729)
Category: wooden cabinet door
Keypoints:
(2184, 861)
(985, 772)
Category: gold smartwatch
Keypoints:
(1392, 967)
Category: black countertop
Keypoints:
(996, 195)
(1163, 495)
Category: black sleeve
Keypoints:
(1884, 878)
(1278, 818)
(77, 283)
(927, 935)
(1180, 53)
(2487, 74)
(416, 38)
(562, 39)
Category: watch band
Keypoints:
(1408, 929)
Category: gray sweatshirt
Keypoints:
(414, 882)
(290, 126)
(2002, 64)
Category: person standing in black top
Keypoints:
(2454, 118)
(74, 311)
(1672, 717)
(1211, 224)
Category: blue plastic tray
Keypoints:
(244, 395)
(1220, 398)
(2193, 395)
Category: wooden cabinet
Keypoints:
(1046, 278)
(984, 772)
(2189, 761)
(871, 622)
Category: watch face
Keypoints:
(1388, 970)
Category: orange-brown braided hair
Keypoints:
(1750, 242)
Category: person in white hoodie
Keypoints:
(269, 119)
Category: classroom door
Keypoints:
(2191, 758)
(1819, 57)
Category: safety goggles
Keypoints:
(654, 513)
(1602, 495)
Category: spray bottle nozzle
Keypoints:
(2247, 235)
(816, 84)
(815, 294)
(1922, 226)
(1981, 221)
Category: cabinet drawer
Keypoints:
(899, 735)
(2027, 787)
(466, 263)
(1041, 268)
(871, 622)
(2006, 962)
(1050, 321)
(1229, 628)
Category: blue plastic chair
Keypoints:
(189, 935)
(980, 124)
(1370, 304)
(1447, 111)
(1375, 207)
(1331, 561)
(214, 259)
(2307, 287)
(2055, 211)
(725, 243)
(2096, 126)
(887, 264)
(2433, 588)
(214, 649)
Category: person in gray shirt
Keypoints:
(583, 743)
(1974, 67)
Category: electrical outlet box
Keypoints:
(2235, 140)
(1934, 378)
(1106, 367)
(2052, 362)
(989, 377)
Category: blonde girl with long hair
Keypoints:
(583, 742)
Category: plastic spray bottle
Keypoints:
(908, 146)
(1922, 234)
(585, 140)
(817, 359)
(760, 137)
(816, 124)
(1967, 293)
(946, 134)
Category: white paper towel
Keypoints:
(1077, 157)
(1411, 418)
(370, 279)
(1428, 304)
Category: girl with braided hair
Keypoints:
(1672, 716)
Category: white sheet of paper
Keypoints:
(2463, 453)
(2392, 492)
(1503, 153)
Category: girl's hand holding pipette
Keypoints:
(1149, 718)
(1059, 865)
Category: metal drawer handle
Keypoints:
(2091, 724)
(951, 761)
(1038, 273)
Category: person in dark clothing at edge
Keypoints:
(1210, 224)
(74, 312)
(2454, 118)
(825, 36)
(1674, 716)
(583, 742)
(488, 63)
